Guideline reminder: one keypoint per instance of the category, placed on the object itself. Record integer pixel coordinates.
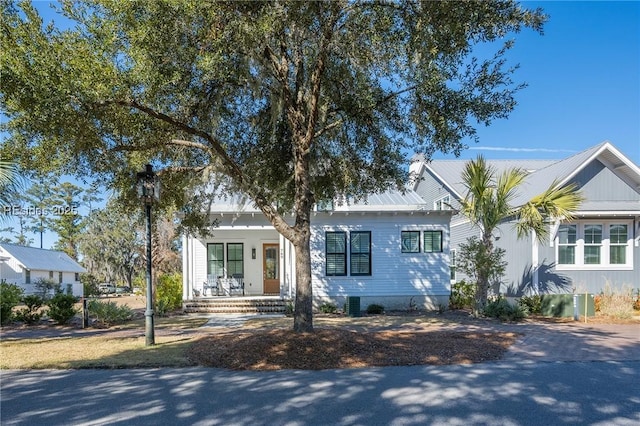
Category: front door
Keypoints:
(270, 268)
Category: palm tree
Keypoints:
(10, 183)
(489, 202)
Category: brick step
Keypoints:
(234, 306)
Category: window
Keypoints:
(77, 277)
(59, 277)
(215, 259)
(235, 259)
(567, 245)
(410, 241)
(442, 203)
(27, 276)
(432, 241)
(336, 253)
(324, 205)
(361, 253)
(593, 245)
(452, 265)
(51, 275)
(618, 235)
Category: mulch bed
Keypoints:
(337, 348)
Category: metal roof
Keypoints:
(42, 260)
(543, 172)
(395, 200)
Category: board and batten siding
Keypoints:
(393, 274)
(599, 183)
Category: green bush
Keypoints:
(328, 308)
(375, 309)
(168, 293)
(500, 308)
(462, 295)
(62, 308)
(531, 304)
(109, 313)
(45, 288)
(90, 285)
(31, 314)
(10, 295)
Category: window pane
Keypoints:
(618, 255)
(361, 253)
(410, 241)
(215, 259)
(591, 255)
(336, 254)
(593, 234)
(566, 255)
(235, 259)
(567, 234)
(432, 241)
(618, 234)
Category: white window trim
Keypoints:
(604, 252)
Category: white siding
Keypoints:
(393, 273)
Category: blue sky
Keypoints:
(583, 80)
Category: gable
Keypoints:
(599, 183)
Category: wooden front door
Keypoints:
(270, 269)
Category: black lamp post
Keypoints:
(149, 191)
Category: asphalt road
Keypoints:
(501, 393)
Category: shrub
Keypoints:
(462, 295)
(31, 314)
(10, 295)
(328, 308)
(531, 304)
(109, 313)
(636, 303)
(45, 288)
(90, 285)
(288, 308)
(62, 308)
(168, 293)
(617, 303)
(375, 309)
(500, 308)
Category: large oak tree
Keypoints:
(287, 103)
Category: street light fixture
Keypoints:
(148, 186)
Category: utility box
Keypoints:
(567, 305)
(353, 306)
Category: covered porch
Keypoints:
(243, 258)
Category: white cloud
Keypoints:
(507, 149)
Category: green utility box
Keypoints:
(567, 305)
(353, 306)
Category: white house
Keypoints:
(392, 250)
(23, 266)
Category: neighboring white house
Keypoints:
(391, 250)
(23, 266)
(599, 248)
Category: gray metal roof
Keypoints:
(543, 172)
(41, 259)
(449, 172)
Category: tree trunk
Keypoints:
(303, 313)
(482, 286)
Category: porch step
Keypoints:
(235, 305)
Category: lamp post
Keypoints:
(148, 186)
